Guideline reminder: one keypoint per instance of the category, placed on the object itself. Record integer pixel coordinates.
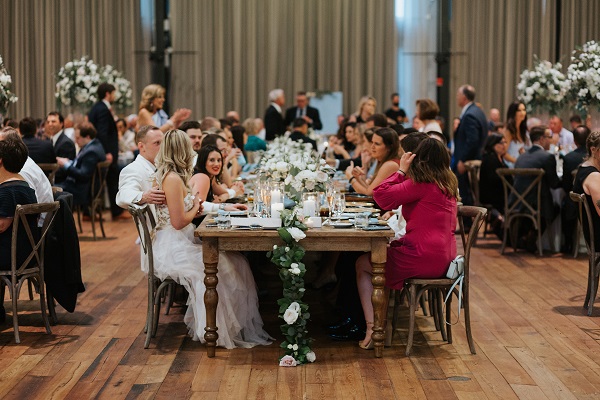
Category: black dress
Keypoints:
(581, 176)
(490, 184)
(11, 194)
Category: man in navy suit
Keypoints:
(469, 138)
(81, 170)
(304, 111)
(40, 151)
(274, 123)
(63, 146)
(103, 120)
(538, 157)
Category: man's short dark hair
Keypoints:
(398, 128)
(104, 88)
(379, 120)
(212, 139)
(412, 140)
(28, 127)
(87, 130)
(580, 135)
(189, 125)
(394, 95)
(298, 122)
(13, 153)
(140, 136)
(576, 119)
(536, 133)
(61, 119)
(469, 92)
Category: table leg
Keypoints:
(210, 256)
(378, 258)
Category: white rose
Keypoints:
(274, 247)
(287, 361)
(289, 346)
(294, 306)
(290, 316)
(287, 249)
(295, 347)
(296, 233)
(311, 356)
(295, 271)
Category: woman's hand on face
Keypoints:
(357, 172)
(406, 161)
(348, 171)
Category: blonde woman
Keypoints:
(366, 108)
(151, 110)
(179, 256)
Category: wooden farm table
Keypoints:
(319, 239)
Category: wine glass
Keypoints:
(339, 204)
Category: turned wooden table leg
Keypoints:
(210, 255)
(378, 258)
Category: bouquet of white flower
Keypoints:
(584, 74)
(6, 96)
(544, 87)
(295, 165)
(77, 85)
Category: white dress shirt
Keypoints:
(39, 182)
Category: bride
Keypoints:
(178, 255)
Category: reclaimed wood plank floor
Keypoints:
(532, 337)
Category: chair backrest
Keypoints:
(520, 197)
(49, 170)
(583, 205)
(37, 245)
(99, 181)
(477, 214)
(145, 223)
(473, 167)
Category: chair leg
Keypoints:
(30, 289)
(440, 313)
(449, 318)
(468, 322)
(150, 312)
(100, 220)
(504, 236)
(43, 307)
(412, 295)
(93, 217)
(399, 296)
(539, 241)
(593, 291)
(433, 307)
(51, 307)
(171, 289)
(586, 302)
(15, 294)
(577, 239)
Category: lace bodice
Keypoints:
(163, 219)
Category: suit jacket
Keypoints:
(40, 151)
(470, 135)
(64, 147)
(134, 180)
(537, 157)
(106, 128)
(570, 163)
(62, 262)
(274, 123)
(311, 112)
(301, 137)
(79, 174)
(490, 184)
(344, 164)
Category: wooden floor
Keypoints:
(533, 341)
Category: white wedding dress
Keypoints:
(177, 254)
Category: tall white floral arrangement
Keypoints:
(584, 74)
(77, 85)
(543, 88)
(6, 96)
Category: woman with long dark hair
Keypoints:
(515, 132)
(427, 190)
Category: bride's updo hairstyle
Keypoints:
(432, 165)
(175, 155)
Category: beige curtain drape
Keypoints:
(493, 41)
(37, 37)
(229, 54)
(578, 24)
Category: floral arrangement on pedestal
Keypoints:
(544, 88)
(77, 85)
(584, 75)
(296, 165)
(6, 96)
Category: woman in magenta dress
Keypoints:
(427, 191)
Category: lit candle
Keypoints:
(276, 209)
(310, 208)
(276, 196)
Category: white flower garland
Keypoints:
(544, 87)
(584, 74)
(6, 96)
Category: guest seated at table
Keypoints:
(81, 170)
(40, 151)
(587, 181)
(13, 190)
(490, 184)
(253, 141)
(233, 188)
(384, 149)
(515, 132)
(300, 133)
(352, 143)
(179, 256)
(571, 161)
(428, 192)
(537, 157)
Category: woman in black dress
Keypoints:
(587, 181)
(490, 184)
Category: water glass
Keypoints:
(339, 204)
(361, 220)
(223, 221)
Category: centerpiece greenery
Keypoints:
(584, 75)
(6, 96)
(544, 88)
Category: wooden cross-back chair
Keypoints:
(521, 208)
(96, 204)
(32, 268)
(50, 170)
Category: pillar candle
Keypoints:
(276, 209)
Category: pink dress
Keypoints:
(429, 244)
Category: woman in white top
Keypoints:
(427, 110)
